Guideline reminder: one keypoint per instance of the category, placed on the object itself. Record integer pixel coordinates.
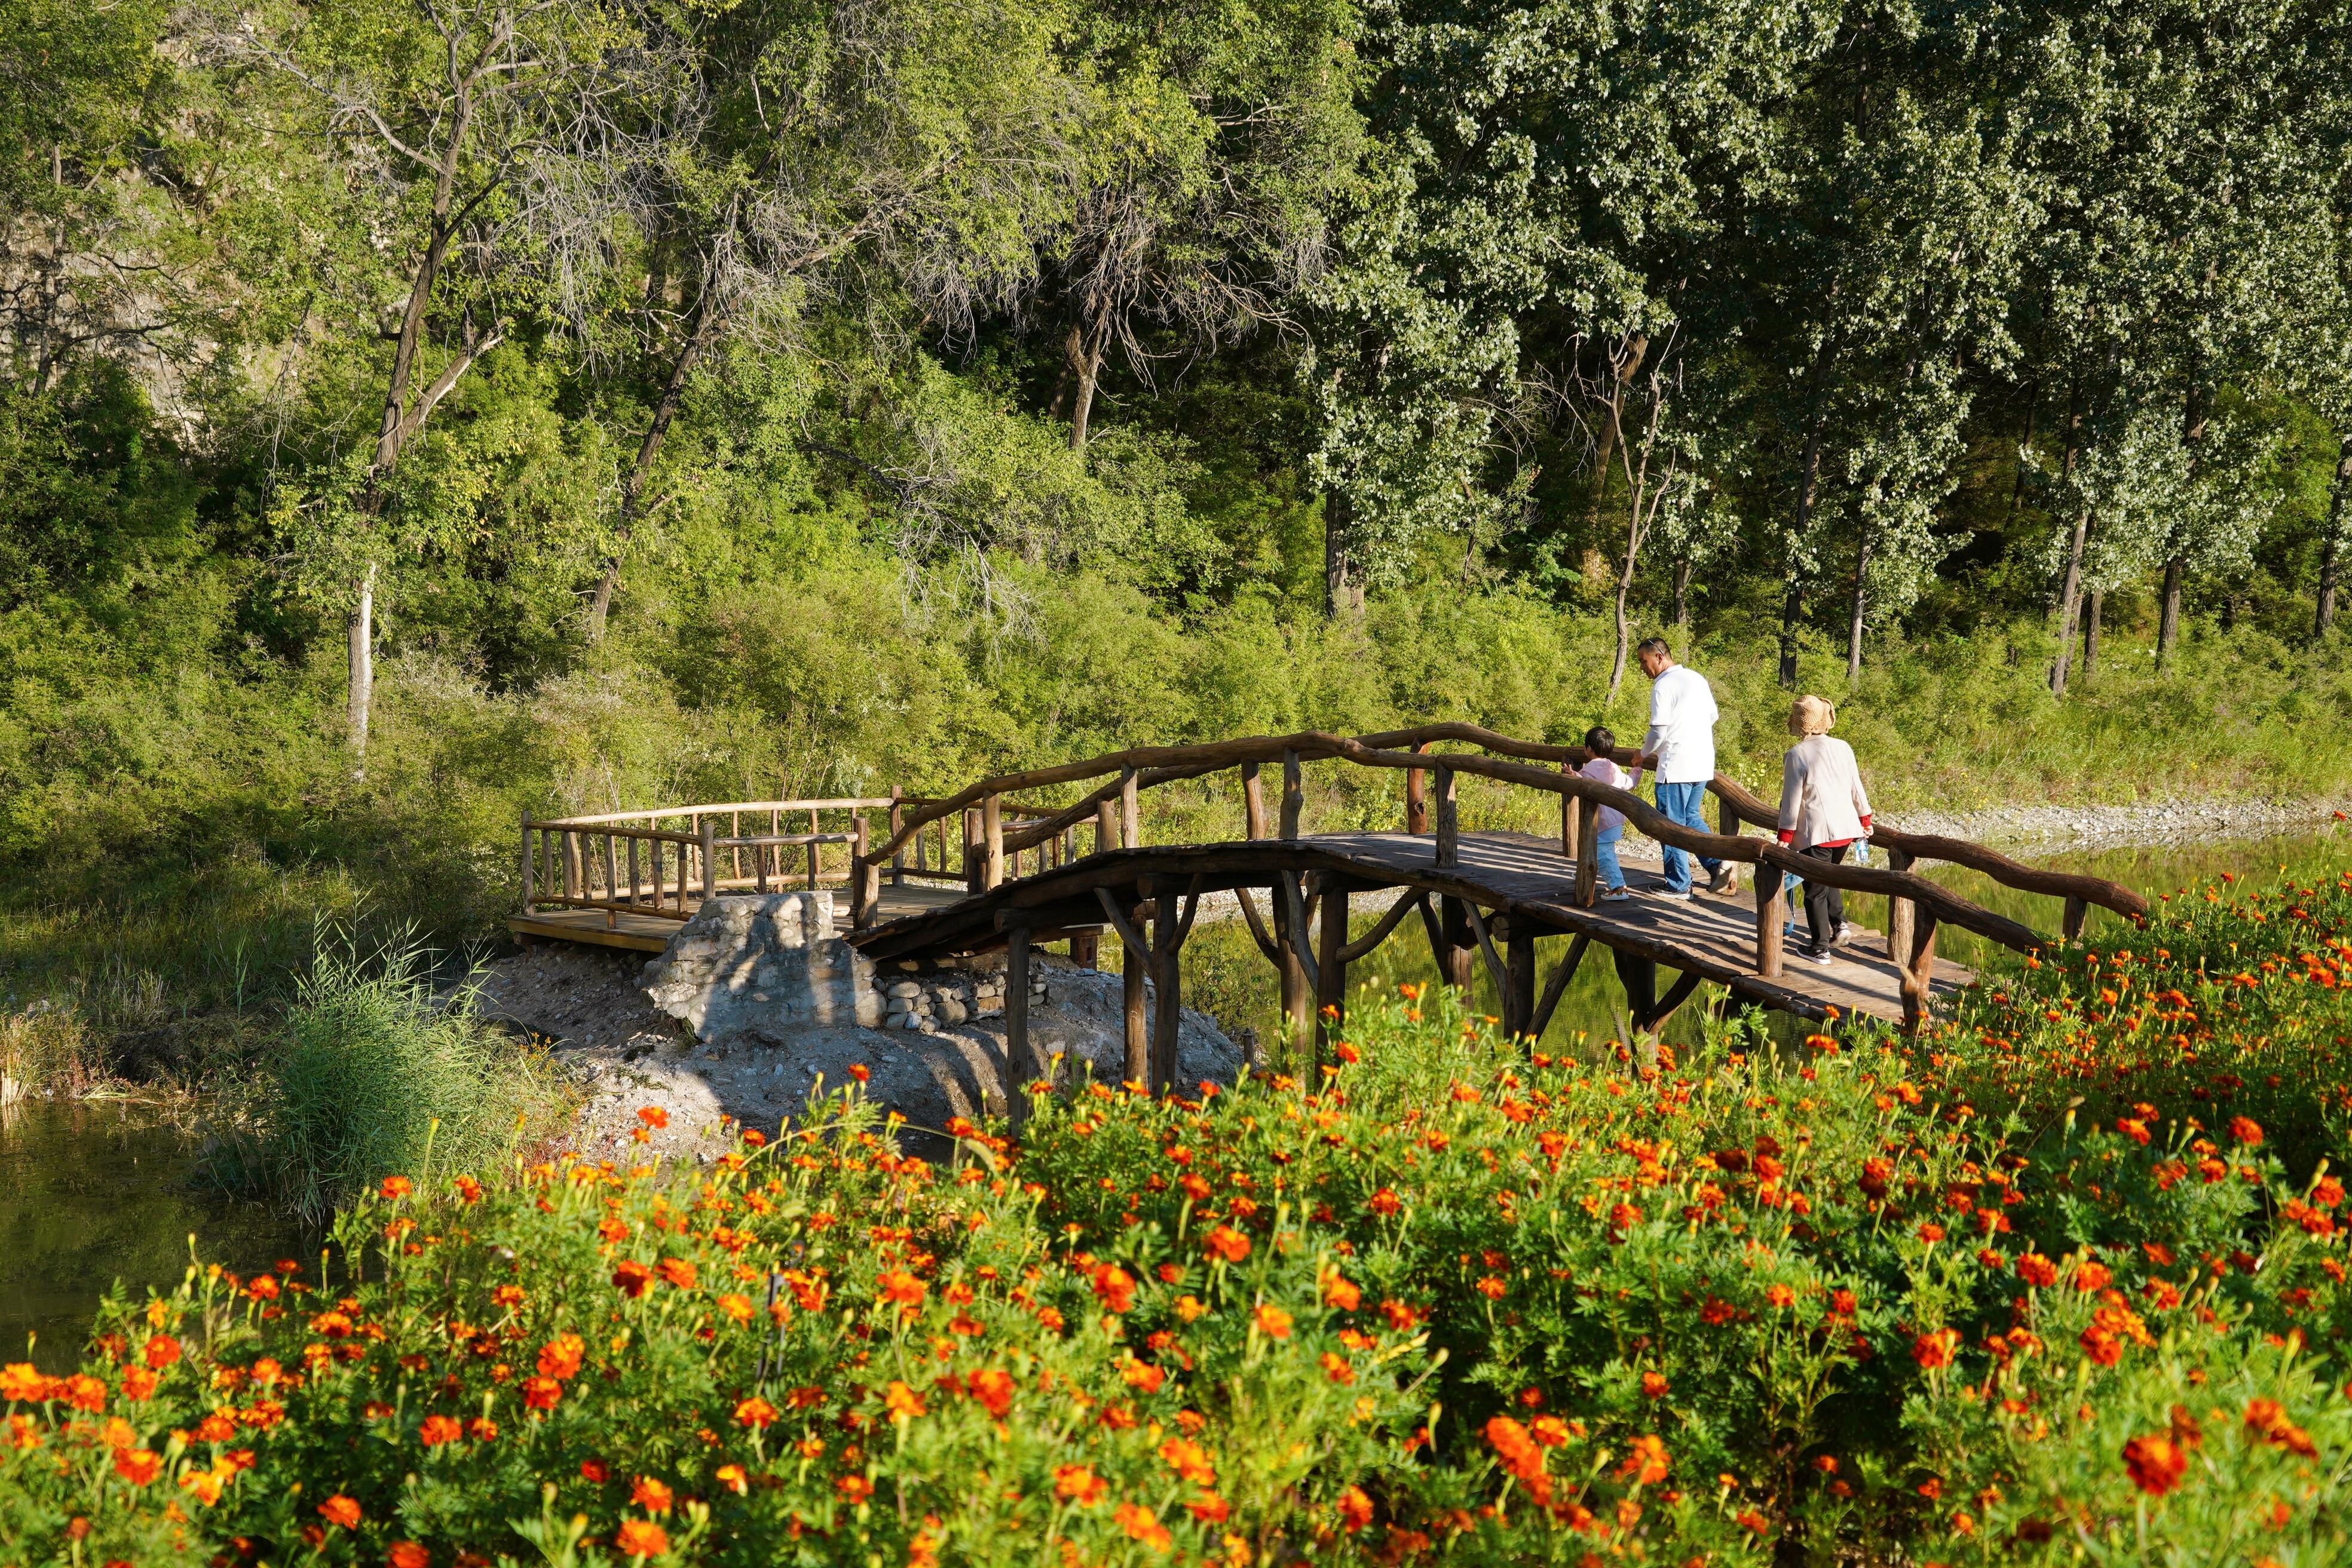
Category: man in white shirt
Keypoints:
(1681, 747)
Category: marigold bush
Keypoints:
(2029, 1286)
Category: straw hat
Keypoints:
(1811, 716)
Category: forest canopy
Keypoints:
(863, 369)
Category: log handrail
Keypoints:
(1153, 765)
(875, 803)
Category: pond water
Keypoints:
(93, 1192)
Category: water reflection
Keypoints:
(96, 1191)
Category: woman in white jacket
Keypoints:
(1822, 811)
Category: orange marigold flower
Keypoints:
(653, 1495)
(900, 1287)
(1142, 1376)
(2036, 1270)
(680, 1272)
(633, 1279)
(1653, 1385)
(1935, 1350)
(1492, 1288)
(641, 1538)
(1335, 1368)
(734, 1478)
(1645, 1461)
(1115, 1288)
(560, 1356)
(409, 1554)
(737, 1305)
(1226, 1243)
(901, 1400)
(162, 1350)
(1337, 1291)
(1385, 1202)
(1399, 1316)
(1779, 1296)
(542, 1393)
(137, 1466)
(1273, 1321)
(1141, 1524)
(468, 1190)
(653, 1116)
(341, 1509)
(755, 1413)
(1190, 1460)
(853, 1489)
(2092, 1277)
(860, 1071)
(439, 1429)
(482, 1429)
(1078, 1484)
(1355, 1509)
(595, 1470)
(992, 1388)
(395, 1188)
(2246, 1131)
(2156, 1463)
(1208, 1508)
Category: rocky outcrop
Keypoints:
(765, 969)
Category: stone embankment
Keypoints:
(757, 1003)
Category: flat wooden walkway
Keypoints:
(1525, 879)
(651, 934)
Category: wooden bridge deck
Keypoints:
(650, 934)
(1525, 880)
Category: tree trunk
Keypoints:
(2032, 403)
(1621, 375)
(2168, 628)
(2070, 601)
(1861, 602)
(697, 338)
(1792, 613)
(1808, 474)
(1681, 592)
(2176, 565)
(1338, 588)
(2091, 633)
(2331, 546)
(1088, 365)
(360, 654)
(1625, 591)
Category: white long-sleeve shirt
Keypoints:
(1681, 726)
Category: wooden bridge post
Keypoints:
(1105, 827)
(1297, 1003)
(1519, 971)
(1020, 1066)
(1449, 820)
(1457, 945)
(992, 826)
(1900, 914)
(529, 869)
(708, 832)
(1727, 822)
(2076, 908)
(1571, 818)
(574, 881)
(1135, 970)
(898, 826)
(1131, 814)
(1167, 945)
(1588, 854)
(1416, 794)
(1293, 794)
(974, 867)
(1331, 976)
(1253, 803)
(1769, 919)
(1917, 972)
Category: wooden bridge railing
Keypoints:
(1918, 905)
(665, 862)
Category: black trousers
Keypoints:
(1824, 905)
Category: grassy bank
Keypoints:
(172, 836)
(1870, 1302)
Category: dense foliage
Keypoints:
(1461, 1302)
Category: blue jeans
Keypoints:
(1605, 857)
(1680, 802)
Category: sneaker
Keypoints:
(1811, 956)
(1844, 934)
(1616, 895)
(1685, 895)
(1724, 879)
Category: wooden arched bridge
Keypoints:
(1030, 873)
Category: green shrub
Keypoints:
(376, 1074)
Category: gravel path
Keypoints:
(2047, 828)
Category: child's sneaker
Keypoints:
(1614, 894)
